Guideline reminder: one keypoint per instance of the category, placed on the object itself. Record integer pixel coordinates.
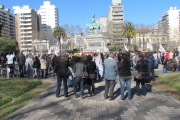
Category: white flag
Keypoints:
(149, 46)
(161, 49)
(49, 52)
(125, 47)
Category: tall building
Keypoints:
(8, 21)
(28, 27)
(170, 23)
(116, 22)
(49, 19)
(167, 30)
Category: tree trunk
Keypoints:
(128, 45)
(59, 45)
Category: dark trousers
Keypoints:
(59, 80)
(109, 85)
(138, 82)
(76, 82)
(21, 69)
(91, 86)
(151, 71)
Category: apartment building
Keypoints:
(49, 19)
(28, 27)
(116, 21)
(8, 21)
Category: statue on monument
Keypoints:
(93, 26)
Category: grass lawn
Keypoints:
(15, 93)
(169, 82)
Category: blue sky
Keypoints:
(79, 12)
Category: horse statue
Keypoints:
(92, 26)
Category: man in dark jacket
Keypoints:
(62, 65)
(21, 62)
(150, 59)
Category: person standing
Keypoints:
(21, 63)
(124, 68)
(54, 66)
(78, 70)
(43, 66)
(176, 55)
(150, 60)
(141, 67)
(91, 67)
(37, 66)
(29, 66)
(62, 74)
(111, 71)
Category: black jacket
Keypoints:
(36, 63)
(91, 67)
(142, 66)
(62, 69)
(54, 60)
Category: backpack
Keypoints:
(155, 64)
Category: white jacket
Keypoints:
(30, 62)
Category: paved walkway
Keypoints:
(156, 105)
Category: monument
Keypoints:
(94, 39)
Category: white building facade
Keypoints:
(172, 19)
(115, 22)
(8, 21)
(49, 19)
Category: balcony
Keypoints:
(117, 14)
(25, 32)
(26, 28)
(28, 20)
(26, 24)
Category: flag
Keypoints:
(106, 49)
(125, 47)
(149, 46)
(161, 49)
(49, 52)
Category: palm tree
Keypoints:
(129, 32)
(59, 33)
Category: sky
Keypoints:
(79, 12)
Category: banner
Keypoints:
(125, 47)
(149, 46)
(161, 49)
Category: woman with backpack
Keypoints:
(142, 67)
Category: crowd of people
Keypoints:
(78, 71)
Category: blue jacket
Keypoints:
(150, 59)
(111, 69)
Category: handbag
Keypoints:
(92, 76)
(137, 75)
(84, 74)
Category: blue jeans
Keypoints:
(76, 82)
(122, 81)
(59, 80)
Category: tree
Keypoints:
(59, 33)
(7, 44)
(129, 32)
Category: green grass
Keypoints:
(19, 90)
(170, 79)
